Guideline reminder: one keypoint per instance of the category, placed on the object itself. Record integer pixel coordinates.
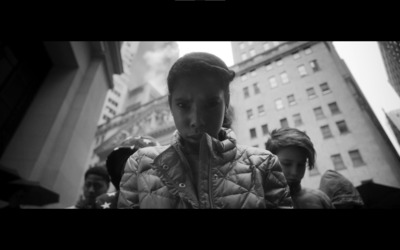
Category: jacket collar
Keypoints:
(173, 166)
(222, 149)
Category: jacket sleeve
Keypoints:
(276, 189)
(128, 195)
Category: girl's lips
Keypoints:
(194, 137)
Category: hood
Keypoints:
(340, 190)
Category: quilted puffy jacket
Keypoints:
(230, 176)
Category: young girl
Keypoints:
(295, 150)
(203, 167)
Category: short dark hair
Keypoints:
(100, 171)
(286, 137)
(117, 159)
(199, 64)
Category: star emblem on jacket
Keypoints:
(106, 205)
(147, 141)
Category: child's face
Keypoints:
(293, 161)
(198, 106)
(94, 186)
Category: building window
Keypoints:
(334, 108)
(244, 56)
(241, 45)
(272, 82)
(246, 92)
(291, 100)
(326, 132)
(325, 88)
(338, 162)
(256, 88)
(116, 93)
(314, 65)
(279, 104)
(307, 51)
(319, 114)
(261, 111)
(356, 158)
(284, 77)
(112, 111)
(253, 73)
(243, 77)
(268, 66)
(106, 118)
(252, 52)
(275, 43)
(250, 114)
(296, 55)
(284, 123)
(302, 70)
(265, 129)
(113, 102)
(342, 127)
(297, 120)
(253, 133)
(266, 46)
(279, 62)
(311, 93)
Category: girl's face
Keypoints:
(198, 107)
(293, 161)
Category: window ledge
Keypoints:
(362, 165)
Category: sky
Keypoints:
(362, 58)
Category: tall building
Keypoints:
(146, 66)
(140, 96)
(306, 85)
(153, 119)
(115, 100)
(393, 118)
(391, 57)
(51, 99)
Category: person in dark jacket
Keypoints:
(203, 167)
(340, 190)
(115, 164)
(295, 151)
(97, 182)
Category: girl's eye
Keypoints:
(213, 103)
(286, 164)
(181, 105)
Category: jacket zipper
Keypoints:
(210, 184)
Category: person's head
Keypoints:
(294, 150)
(198, 85)
(97, 182)
(116, 160)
